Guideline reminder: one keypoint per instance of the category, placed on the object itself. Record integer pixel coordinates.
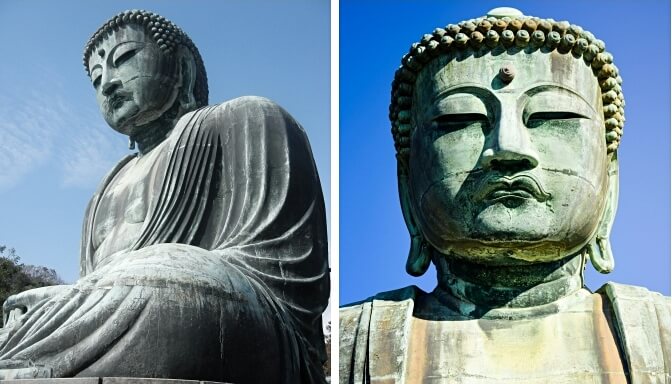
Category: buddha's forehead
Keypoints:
(531, 69)
(127, 33)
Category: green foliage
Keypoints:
(16, 277)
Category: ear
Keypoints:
(599, 248)
(187, 68)
(419, 255)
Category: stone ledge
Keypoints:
(107, 380)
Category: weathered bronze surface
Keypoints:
(506, 129)
(204, 254)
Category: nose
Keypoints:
(508, 147)
(109, 83)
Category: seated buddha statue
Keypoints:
(506, 129)
(204, 254)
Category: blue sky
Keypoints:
(373, 37)
(54, 145)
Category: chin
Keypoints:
(120, 127)
(526, 223)
(508, 237)
(510, 253)
(122, 119)
(506, 246)
(516, 241)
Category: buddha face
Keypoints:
(135, 81)
(508, 173)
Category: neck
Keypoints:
(152, 134)
(477, 289)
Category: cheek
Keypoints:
(437, 156)
(577, 210)
(153, 61)
(164, 71)
(573, 166)
(575, 148)
(152, 93)
(153, 77)
(446, 210)
(100, 99)
(104, 108)
(442, 179)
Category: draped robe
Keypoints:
(619, 334)
(226, 281)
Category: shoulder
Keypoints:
(350, 315)
(621, 294)
(254, 102)
(355, 319)
(633, 304)
(243, 114)
(642, 321)
(409, 292)
(366, 324)
(251, 108)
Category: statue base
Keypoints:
(108, 380)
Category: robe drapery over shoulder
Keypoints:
(240, 182)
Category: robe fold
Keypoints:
(227, 279)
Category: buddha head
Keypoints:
(506, 129)
(144, 68)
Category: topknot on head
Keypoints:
(502, 12)
(508, 28)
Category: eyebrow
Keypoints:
(545, 87)
(97, 66)
(470, 88)
(116, 47)
(111, 53)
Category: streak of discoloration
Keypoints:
(567, 172)
(418, 351)
(609, 357)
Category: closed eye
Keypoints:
(539, 118)
(454, 122)
(96, 82)
(124, 57)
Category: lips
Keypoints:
(511, 187)
(116, 100)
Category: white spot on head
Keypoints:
(504, 12)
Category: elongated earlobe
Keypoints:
(419, 256)
(599, 252)
(599, 248)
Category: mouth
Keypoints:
(116, 100)
(512, 188)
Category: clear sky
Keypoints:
(373, 37)
(54, 145)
